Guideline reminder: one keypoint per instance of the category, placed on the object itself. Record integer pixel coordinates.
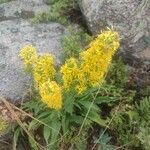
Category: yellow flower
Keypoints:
(96, 59)
(90, 69)
(51, 94)
(70, 71)
(44, 69)
(28, 55)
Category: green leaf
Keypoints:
(57, 126)
(33, 125)
(43, 114)
(46, 134)
(53, 137)
(69, 104)
(84, 97)
(63, 121)
(95, 117)
(76, 118)
(132, 114)
(88, 104)
(15, 138)
(105, 99)
(33, 143)
(103, 142)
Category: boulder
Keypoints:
(22, 9)
(15, 33)
(129, 17)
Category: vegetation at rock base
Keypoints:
(74, 42)
(62, 11)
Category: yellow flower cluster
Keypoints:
(79, 74)
(70, 71)
(51, 95)
(44, 69)
(90, 69)
(28, 55)
(96, 59)
(72, 75)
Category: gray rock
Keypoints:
(14, 35)
(22, 9)
(129, 17)
(16, 31)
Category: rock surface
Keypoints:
(22, 9)
(129, 17)
(16, 32)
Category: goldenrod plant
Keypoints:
(88, 89)
(68, 96)
(91, 67)
(87, 71)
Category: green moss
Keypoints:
(59, 12)
(4, 1)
